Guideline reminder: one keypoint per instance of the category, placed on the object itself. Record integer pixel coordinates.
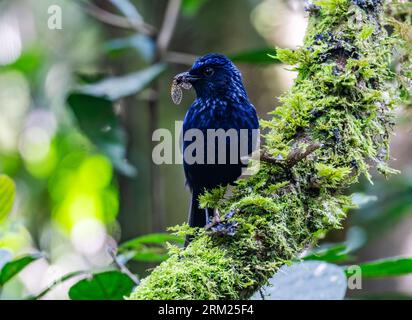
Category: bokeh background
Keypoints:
(73, 200)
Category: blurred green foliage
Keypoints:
(7, 194)
(12, 268)
(109, 285)
(75, 142)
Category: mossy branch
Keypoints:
(332, 126)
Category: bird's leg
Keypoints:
(207, 217)
(209, 223)
(215, 218)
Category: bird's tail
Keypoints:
(197, 216)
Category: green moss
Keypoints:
(200, 272)
(289, 56)
(343, 100)
(399, 16)
(213, 198)
(366, 32)
(330, 176)
(332, 8)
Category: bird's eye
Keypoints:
(209, 71)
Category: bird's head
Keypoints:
(214, 76)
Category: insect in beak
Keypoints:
(185, 78)
(182, 80)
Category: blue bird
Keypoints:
(221, 103)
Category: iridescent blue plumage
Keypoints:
(221, 103)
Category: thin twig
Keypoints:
(182, 58)
(56, 283)
(168, 26)
(261, 294)
(117, 20)
(297, 154)
(265, 157)
(122, 267)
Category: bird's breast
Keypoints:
(217, 114)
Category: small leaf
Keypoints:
(286, 56)
(308, 280)
(90, 77)
(366, 32)
(119, 87)
(96, 118)
(389, 267)
(362, 199)
(256, 56)
(109, 285)
(144, 45)
(151, 255)
(150, 247)
(331, 253)
(153, 238)
(7, 194)
(355, 239)
(10, 269)
(339, 252)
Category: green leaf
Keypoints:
(339, 252)
(390, 267)
(382, 296)
(144, 46)
(191, 7)
(28, 63)
(90, 77)
(150, 247)
(256, 56)
(308, 280)
(96, 118)
(119, 87)
(361, 199)
(109, 285)
(394, 203)
(287, 56)
(151, 255)
(153, 238)
(7, 194)
(334, 253)
(10, 269)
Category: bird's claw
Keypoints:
(215, 219)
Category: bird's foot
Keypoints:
(216, 216)
(215, 219)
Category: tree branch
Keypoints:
(182, 58)
(297, 154)
(168, 26)
(122, 267)
(116, 20)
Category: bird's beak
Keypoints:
(185, 77)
